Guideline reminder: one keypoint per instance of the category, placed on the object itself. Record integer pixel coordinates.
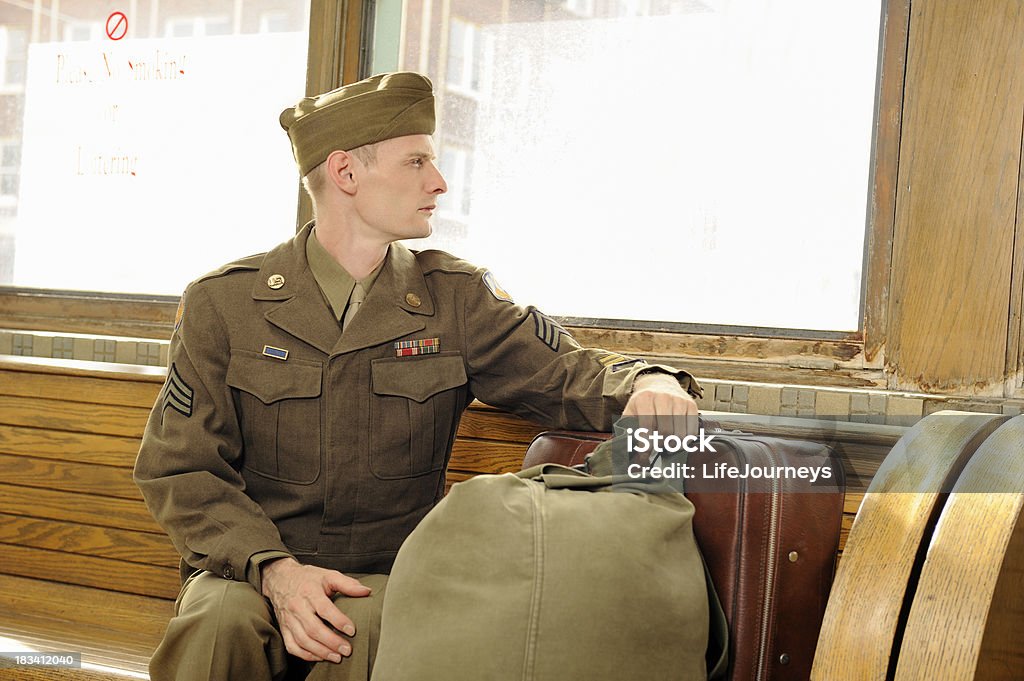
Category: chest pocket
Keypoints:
(415, 410)
(279, 409)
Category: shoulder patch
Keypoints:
(548, 330)
(176, 395)
(180, 313)
(495, 288)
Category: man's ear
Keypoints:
(340, 166)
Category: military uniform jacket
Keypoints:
(275, 431)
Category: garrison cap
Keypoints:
(372, 110)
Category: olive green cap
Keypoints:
(372, 110)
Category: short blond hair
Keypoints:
(316, 179)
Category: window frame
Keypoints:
(339, 42)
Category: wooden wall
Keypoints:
(956, 269)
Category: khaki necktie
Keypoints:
(354, 301)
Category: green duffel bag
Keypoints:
(550, 575)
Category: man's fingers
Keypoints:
(299, 645)
(316, 637)
(666, 413)
(693, 422)
(343, 584)
(329, 612)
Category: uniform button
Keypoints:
(275, 281)
(412, 299)
(229, 572)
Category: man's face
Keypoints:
(397, 195)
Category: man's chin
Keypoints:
(418, 232)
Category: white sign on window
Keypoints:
(148, 162)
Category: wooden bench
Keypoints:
(83, 567)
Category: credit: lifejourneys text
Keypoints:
(722, 470)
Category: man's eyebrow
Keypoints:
(421, 154)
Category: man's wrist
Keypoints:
(649, 378)
(273, 567)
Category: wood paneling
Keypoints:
(79, 388)
(84, 313)
(62, 445)
(490, 424)
(1015, 346)
(80, 616)
(97, 418)
(957, 196)
(103, 542)
(103, 573)
(882, 200)
(481, 456)
(66, 476)
(77, 508)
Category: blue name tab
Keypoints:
(276, 353)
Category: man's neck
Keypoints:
(357, 254)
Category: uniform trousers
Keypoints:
(224, 630)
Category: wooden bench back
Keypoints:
(77, 543)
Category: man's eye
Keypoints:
(418, 162)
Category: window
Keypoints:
(465, 49)
(14, 48)
(713, 144)
(456, 165)
(77, 31)
(275, 22)
(188, 27)
(10, 162)
(583, 8)
(163, 147)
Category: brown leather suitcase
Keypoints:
(770, 545)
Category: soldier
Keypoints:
(314, 393)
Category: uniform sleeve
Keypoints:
(187, 467)
(525, 362)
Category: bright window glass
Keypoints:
(666, 160)
(135, 164)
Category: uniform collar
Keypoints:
(285, 276)
(334, 280)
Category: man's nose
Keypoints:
(437, 183)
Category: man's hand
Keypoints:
(662, 405)
(301, 596)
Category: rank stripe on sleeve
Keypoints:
(177, 394)
(611, 358)
(617, 362)
(548, 330)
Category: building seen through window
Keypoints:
(721, 147)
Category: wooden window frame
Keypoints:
(340, 36)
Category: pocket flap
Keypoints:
(271, 379)
(417, 378)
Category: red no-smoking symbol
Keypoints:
(117, 25)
